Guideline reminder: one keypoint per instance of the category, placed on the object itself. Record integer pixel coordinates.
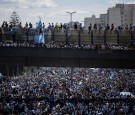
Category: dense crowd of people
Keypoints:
(69, 91)
(73, 46)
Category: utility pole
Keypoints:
(71, 13)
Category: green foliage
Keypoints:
(14, 19)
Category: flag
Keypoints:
(39, 37)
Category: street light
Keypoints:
(71, 17)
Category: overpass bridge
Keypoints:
(66, 57)
(20, 57)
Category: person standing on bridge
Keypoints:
(89, 28)
(75, 26)
(26, 25)
(43, 26)
(95, 27)
(52, 26)
(130, 28)
(60, 27)
(100, 28)
(49, 26)
(107, 27)
(30, 25)
(57, 27)
(112, 27)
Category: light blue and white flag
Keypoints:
(39, 37)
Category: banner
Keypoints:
(39, 38)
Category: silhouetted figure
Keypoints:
(95, 27)
(75, 26)
(30, 25)
(65, 27)
(107, 27)
(10, 26)
(20, 25)
(112, 27)
(130, 28)
(57, 27)
(49, 26)
(61, 26)
(81, 28)
(6, 25)
(100, 27)
(89, 28)
(126, 27)
(43, 26)
(120, 28)
(3, 24)
(26, 25)
(52, 26)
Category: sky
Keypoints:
(54, 11)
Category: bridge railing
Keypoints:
(75, 37)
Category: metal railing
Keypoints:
(78, 37)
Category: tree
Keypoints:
(15, 20)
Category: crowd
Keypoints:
(8, 27)
(76, 26)
(69, 91)
(112, 27)
(73, 46)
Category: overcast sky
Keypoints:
(55, 10)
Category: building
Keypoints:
(88, 21)
(134, 15)
(92, 20)
(102, 20)
(114, 16)
(120, 15)
(73, 23)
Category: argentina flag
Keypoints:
(39, 36)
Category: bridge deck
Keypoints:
(64, 57)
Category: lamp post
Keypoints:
(71, 17)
